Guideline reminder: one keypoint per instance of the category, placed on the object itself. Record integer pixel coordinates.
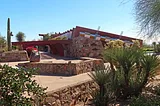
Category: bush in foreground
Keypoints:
(18, 89)
(131, 69)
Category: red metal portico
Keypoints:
(57, 46)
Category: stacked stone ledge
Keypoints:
(11, 56)
(45, 68)
(71, 95)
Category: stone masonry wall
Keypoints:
(71, 95)
(13, 56)
(89, 65)
(49, 68)
(85, 47)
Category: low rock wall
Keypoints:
(72, 95)
(10, 56)
(64, 68)
(89, 65)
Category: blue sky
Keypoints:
(43, 16)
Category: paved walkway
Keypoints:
(55, 82)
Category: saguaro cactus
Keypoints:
(9, 34)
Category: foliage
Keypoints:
(136, 44)
(144, 101)
(14, 47)
(104, 95)
(147, 14)
(46, 36)
(20, 36)
(156, 47)
(17, 88)
(145, 45)
(148, 49)
(115, 44)
(59, 38)
(131, 69)
(2, 43)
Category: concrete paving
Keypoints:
(54, 82)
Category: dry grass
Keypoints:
(157, 71)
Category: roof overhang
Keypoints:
(49, 42)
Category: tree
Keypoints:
(20, 37)
(2, 42)
(148, 16)
(154, 45)
(46, 37)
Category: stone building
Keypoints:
(78, 42)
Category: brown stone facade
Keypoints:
(49, 68)
(85, 47)
(13, 56)
(72, 95)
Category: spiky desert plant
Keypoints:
(103, 78)
(131, 69)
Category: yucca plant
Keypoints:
(103, 79)
(132, 69)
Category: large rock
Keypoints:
(35, 56)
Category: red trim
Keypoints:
(42, 42)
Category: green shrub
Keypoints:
(103, 95)
(144, 101)
(131, 70)
(156, 47)
(18, 89)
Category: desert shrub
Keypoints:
(156, 47)
(3, 45)
(103, 95)
(18, 89)
(131, 70)
(144, 101)
(135, 69)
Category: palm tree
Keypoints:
(20, 37)
(148, 16)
